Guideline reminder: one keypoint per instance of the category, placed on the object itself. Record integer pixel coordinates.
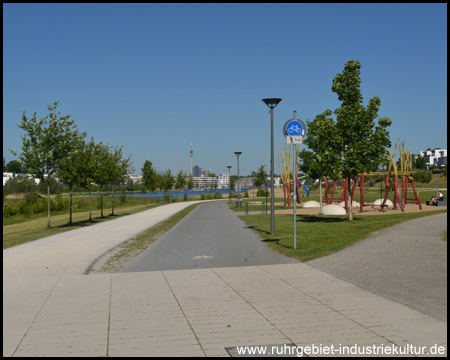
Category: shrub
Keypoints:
(39, 206)
(423, 176)
(8, 210)
(262, 193)
(31, 198)
(19, 185)
(58, 203)
(168, 197)
(185, 197)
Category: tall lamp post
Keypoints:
(271, 103)
(237, 153)
(229, 179)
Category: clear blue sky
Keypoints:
(154, 77)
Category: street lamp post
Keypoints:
(271, 103)
(229, 179)
(237, 153)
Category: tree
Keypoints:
(420, 163)
(180, 181)
(103, 166)
(45, 144)
(149, 178)
(167, 181)
(361, 144)
(118, 170)
(260, 177)
(190, 183)
(130, 185)
(14, 166)
(72, 165)
(87, 167)
(322, 160)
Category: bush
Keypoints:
(8, 210)
(168, 197)
(217, 195)
(39, 206)
(31, 198)
(19, 185)
(262, 193)
(423, 176)
(81, 203)
(185, 197)
(59, 203)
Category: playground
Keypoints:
(367, 210)
(396, 186)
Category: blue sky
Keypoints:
(154, 77)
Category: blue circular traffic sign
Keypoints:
(294, 128)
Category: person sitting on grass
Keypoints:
(438, 197)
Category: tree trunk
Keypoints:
(349, 195)
(112, 200)
(48, 202)
(70, 211)
(320, 197)
(90, 205)
(101, 200)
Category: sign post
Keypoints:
(293, 130)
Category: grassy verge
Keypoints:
(319, 236)
(117, 259)
(21, 233)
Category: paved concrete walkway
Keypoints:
(199, 312)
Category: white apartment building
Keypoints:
(202, 182)
(220, 182)
(224, 180)
(435, 157)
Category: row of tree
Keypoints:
(53, 146)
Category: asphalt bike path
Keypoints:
(211, 236)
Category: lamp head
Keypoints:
(271, 102)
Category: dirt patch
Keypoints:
(367, 210)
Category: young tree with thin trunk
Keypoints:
(322, 159)
(180, 181)
(72, 166)
(362, 143)
(149, 178)
(45, 145)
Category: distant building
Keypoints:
(202, 182)
(137, 179)
(196, 171)
(224, 180)
(435, 157)
(7, 176)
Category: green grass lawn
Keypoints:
(319, 236)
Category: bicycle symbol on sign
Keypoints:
(294, 129)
